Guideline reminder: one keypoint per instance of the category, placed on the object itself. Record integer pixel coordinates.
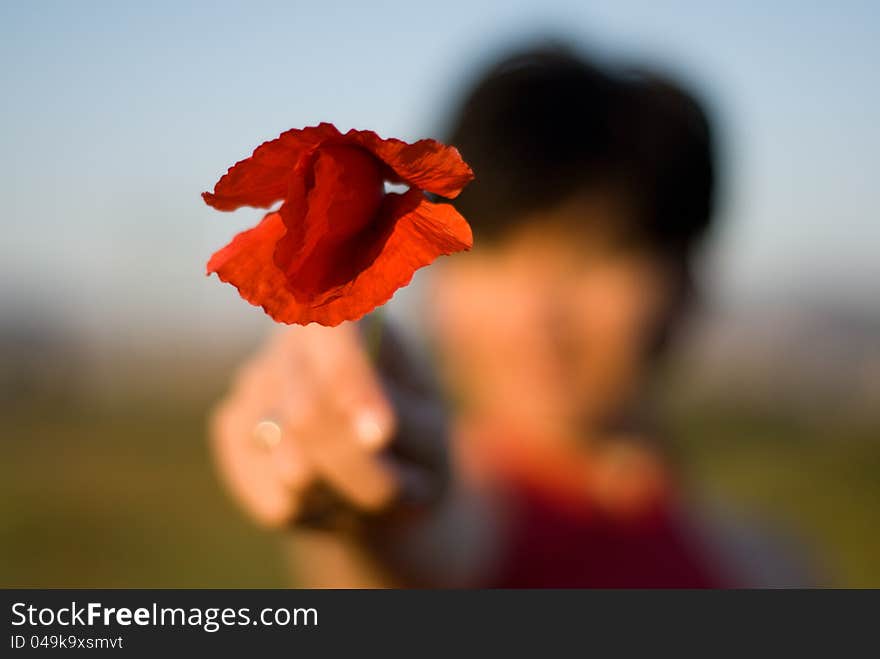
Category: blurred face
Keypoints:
(552, 329)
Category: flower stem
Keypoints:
(373, 334)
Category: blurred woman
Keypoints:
(536, 463)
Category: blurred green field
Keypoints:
(818, 477)
(121, 496)
(122, 493)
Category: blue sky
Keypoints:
(115, 116)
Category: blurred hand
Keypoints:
(313, 431)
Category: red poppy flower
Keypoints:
(339, 245)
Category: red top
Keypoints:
(582, 522)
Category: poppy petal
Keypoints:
(262, 179)
(247, 264)
(419, 231)
(427, 164)
(324, 244)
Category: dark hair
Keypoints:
(544, 124)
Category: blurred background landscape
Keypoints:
(113, 344)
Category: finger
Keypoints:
(246, 468)
(297, 395)
(264, 469)
(338, 459)
(292, 466)
(351, 385)
(286, 363)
